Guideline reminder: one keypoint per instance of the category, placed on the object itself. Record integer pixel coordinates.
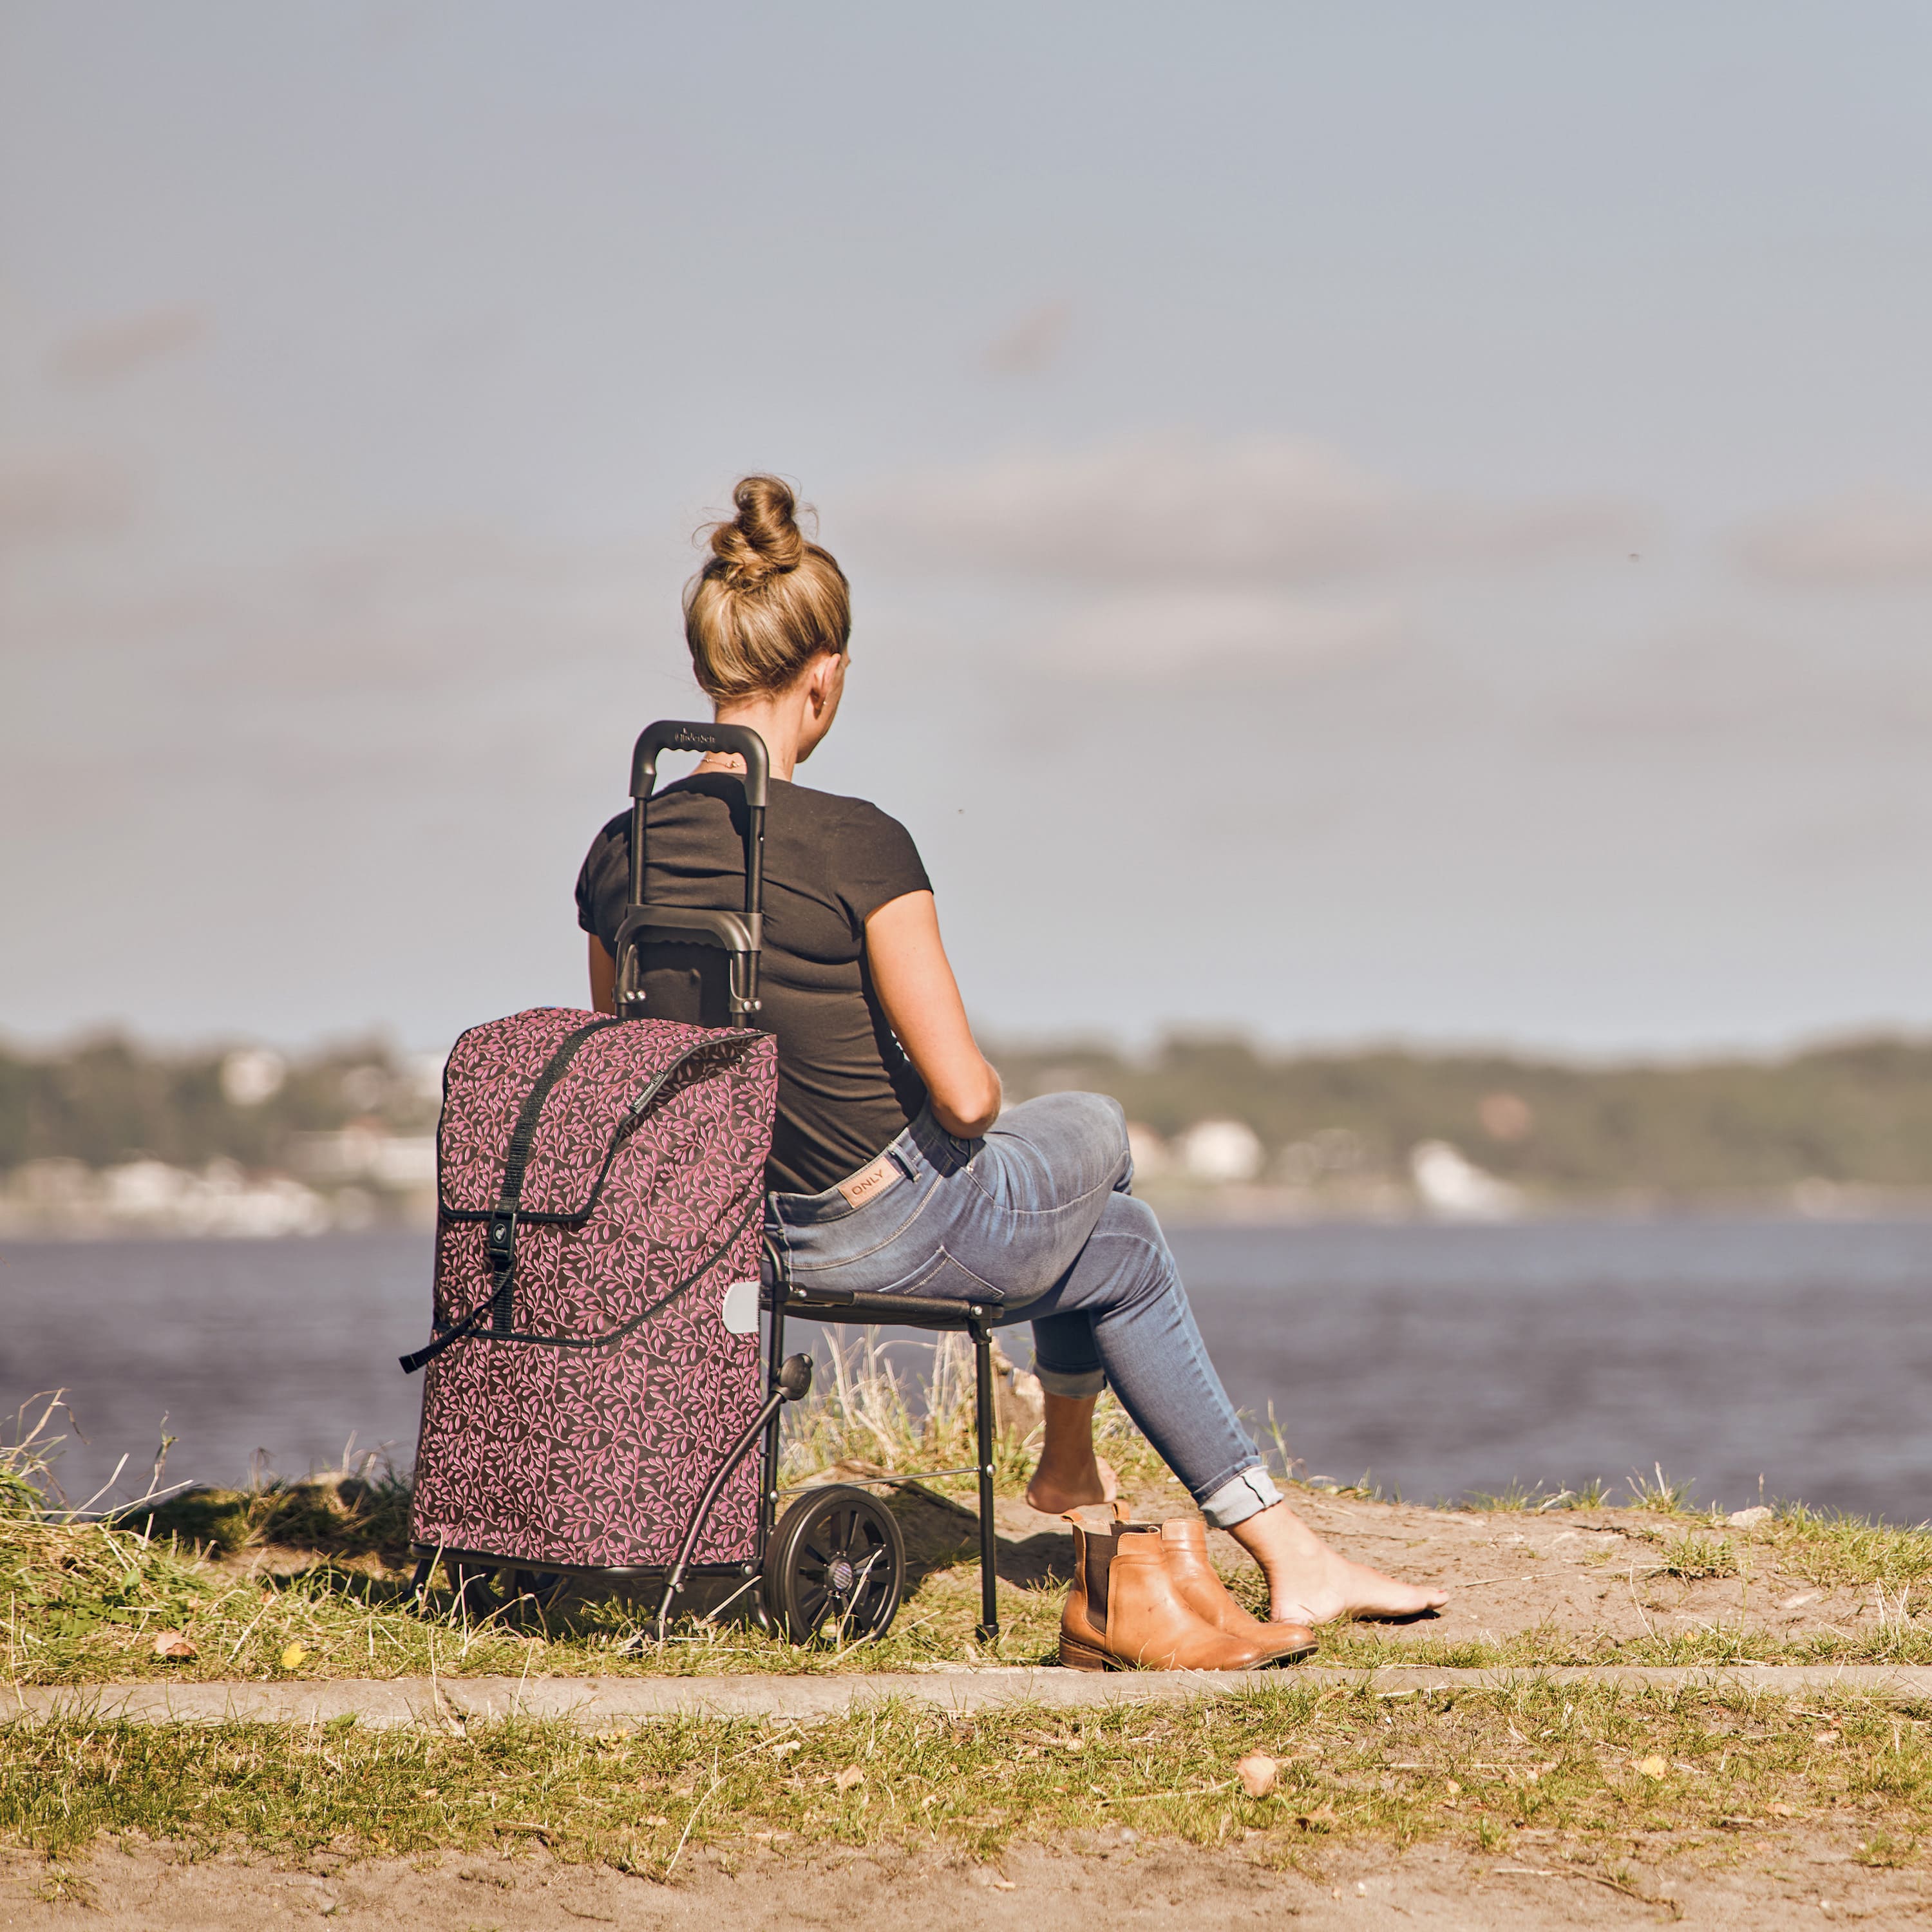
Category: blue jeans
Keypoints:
(1036, 1219)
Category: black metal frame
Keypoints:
(904, 1311)
(741, 937)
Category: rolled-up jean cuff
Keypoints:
(1239, 1498)
(1077, 1382)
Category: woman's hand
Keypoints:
(913, 979)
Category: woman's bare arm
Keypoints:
(914, 981)
(603, 977)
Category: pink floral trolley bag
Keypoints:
(595, 1384)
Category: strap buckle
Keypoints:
(499, 1243)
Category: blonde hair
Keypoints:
(767, 601)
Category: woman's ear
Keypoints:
(825, 681)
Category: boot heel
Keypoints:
(1075, 1655)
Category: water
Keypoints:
(1448, 1361)
(1440, 1360)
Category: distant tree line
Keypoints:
(109, 1099)
(1855, 1114)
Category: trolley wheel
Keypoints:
(835, 1564)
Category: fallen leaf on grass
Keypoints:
(785, 1748)
(1652, 1766)
(295, 1655)
(172, 1645)
(850, 1777)
(1780, 1811)
(1258, 1773)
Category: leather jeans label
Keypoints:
(870, 1182)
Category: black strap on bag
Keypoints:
(429, 1351)
(499, 1239)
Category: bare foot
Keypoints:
(1054, 1491)
(1309, 1583)
(1321, 1592)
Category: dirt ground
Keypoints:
(1143, 1885)
(1594, 1575)
(1589, 1574)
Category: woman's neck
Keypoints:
(779, 718)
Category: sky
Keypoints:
(1371, 521)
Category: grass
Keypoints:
(307, 1578)
(1693, 1558)
(1583, 1774)
(1715, 1646)
(1535, 1499)
(310, 1578)
(868, 1409)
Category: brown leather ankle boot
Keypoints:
(1124, 1612)
(1184, 1540)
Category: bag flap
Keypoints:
(493, 1068)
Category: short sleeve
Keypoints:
(878, 863)
(586, 915)
(604, 866)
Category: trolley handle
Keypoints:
(670, 734)
(742, 941)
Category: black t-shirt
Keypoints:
(846, 1089)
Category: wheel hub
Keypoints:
(840, 1575)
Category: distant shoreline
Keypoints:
(1258, 1208)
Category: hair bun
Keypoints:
(765, 541)
(766, 602)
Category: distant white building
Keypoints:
(1152, 1155)
(251, 1074)
(1220, 1151)
(367, 1154)
(1454, 1188)
(150, 1197)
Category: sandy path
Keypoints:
(1144, 1885)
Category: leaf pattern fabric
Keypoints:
(586, 1436)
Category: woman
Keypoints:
(892, 1166)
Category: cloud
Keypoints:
(107, 351)
(1159, 636)
(1720, 686)
(449, 607)
(1875, 537)
(1255, 510)
(1032, 342)
(54, 496)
